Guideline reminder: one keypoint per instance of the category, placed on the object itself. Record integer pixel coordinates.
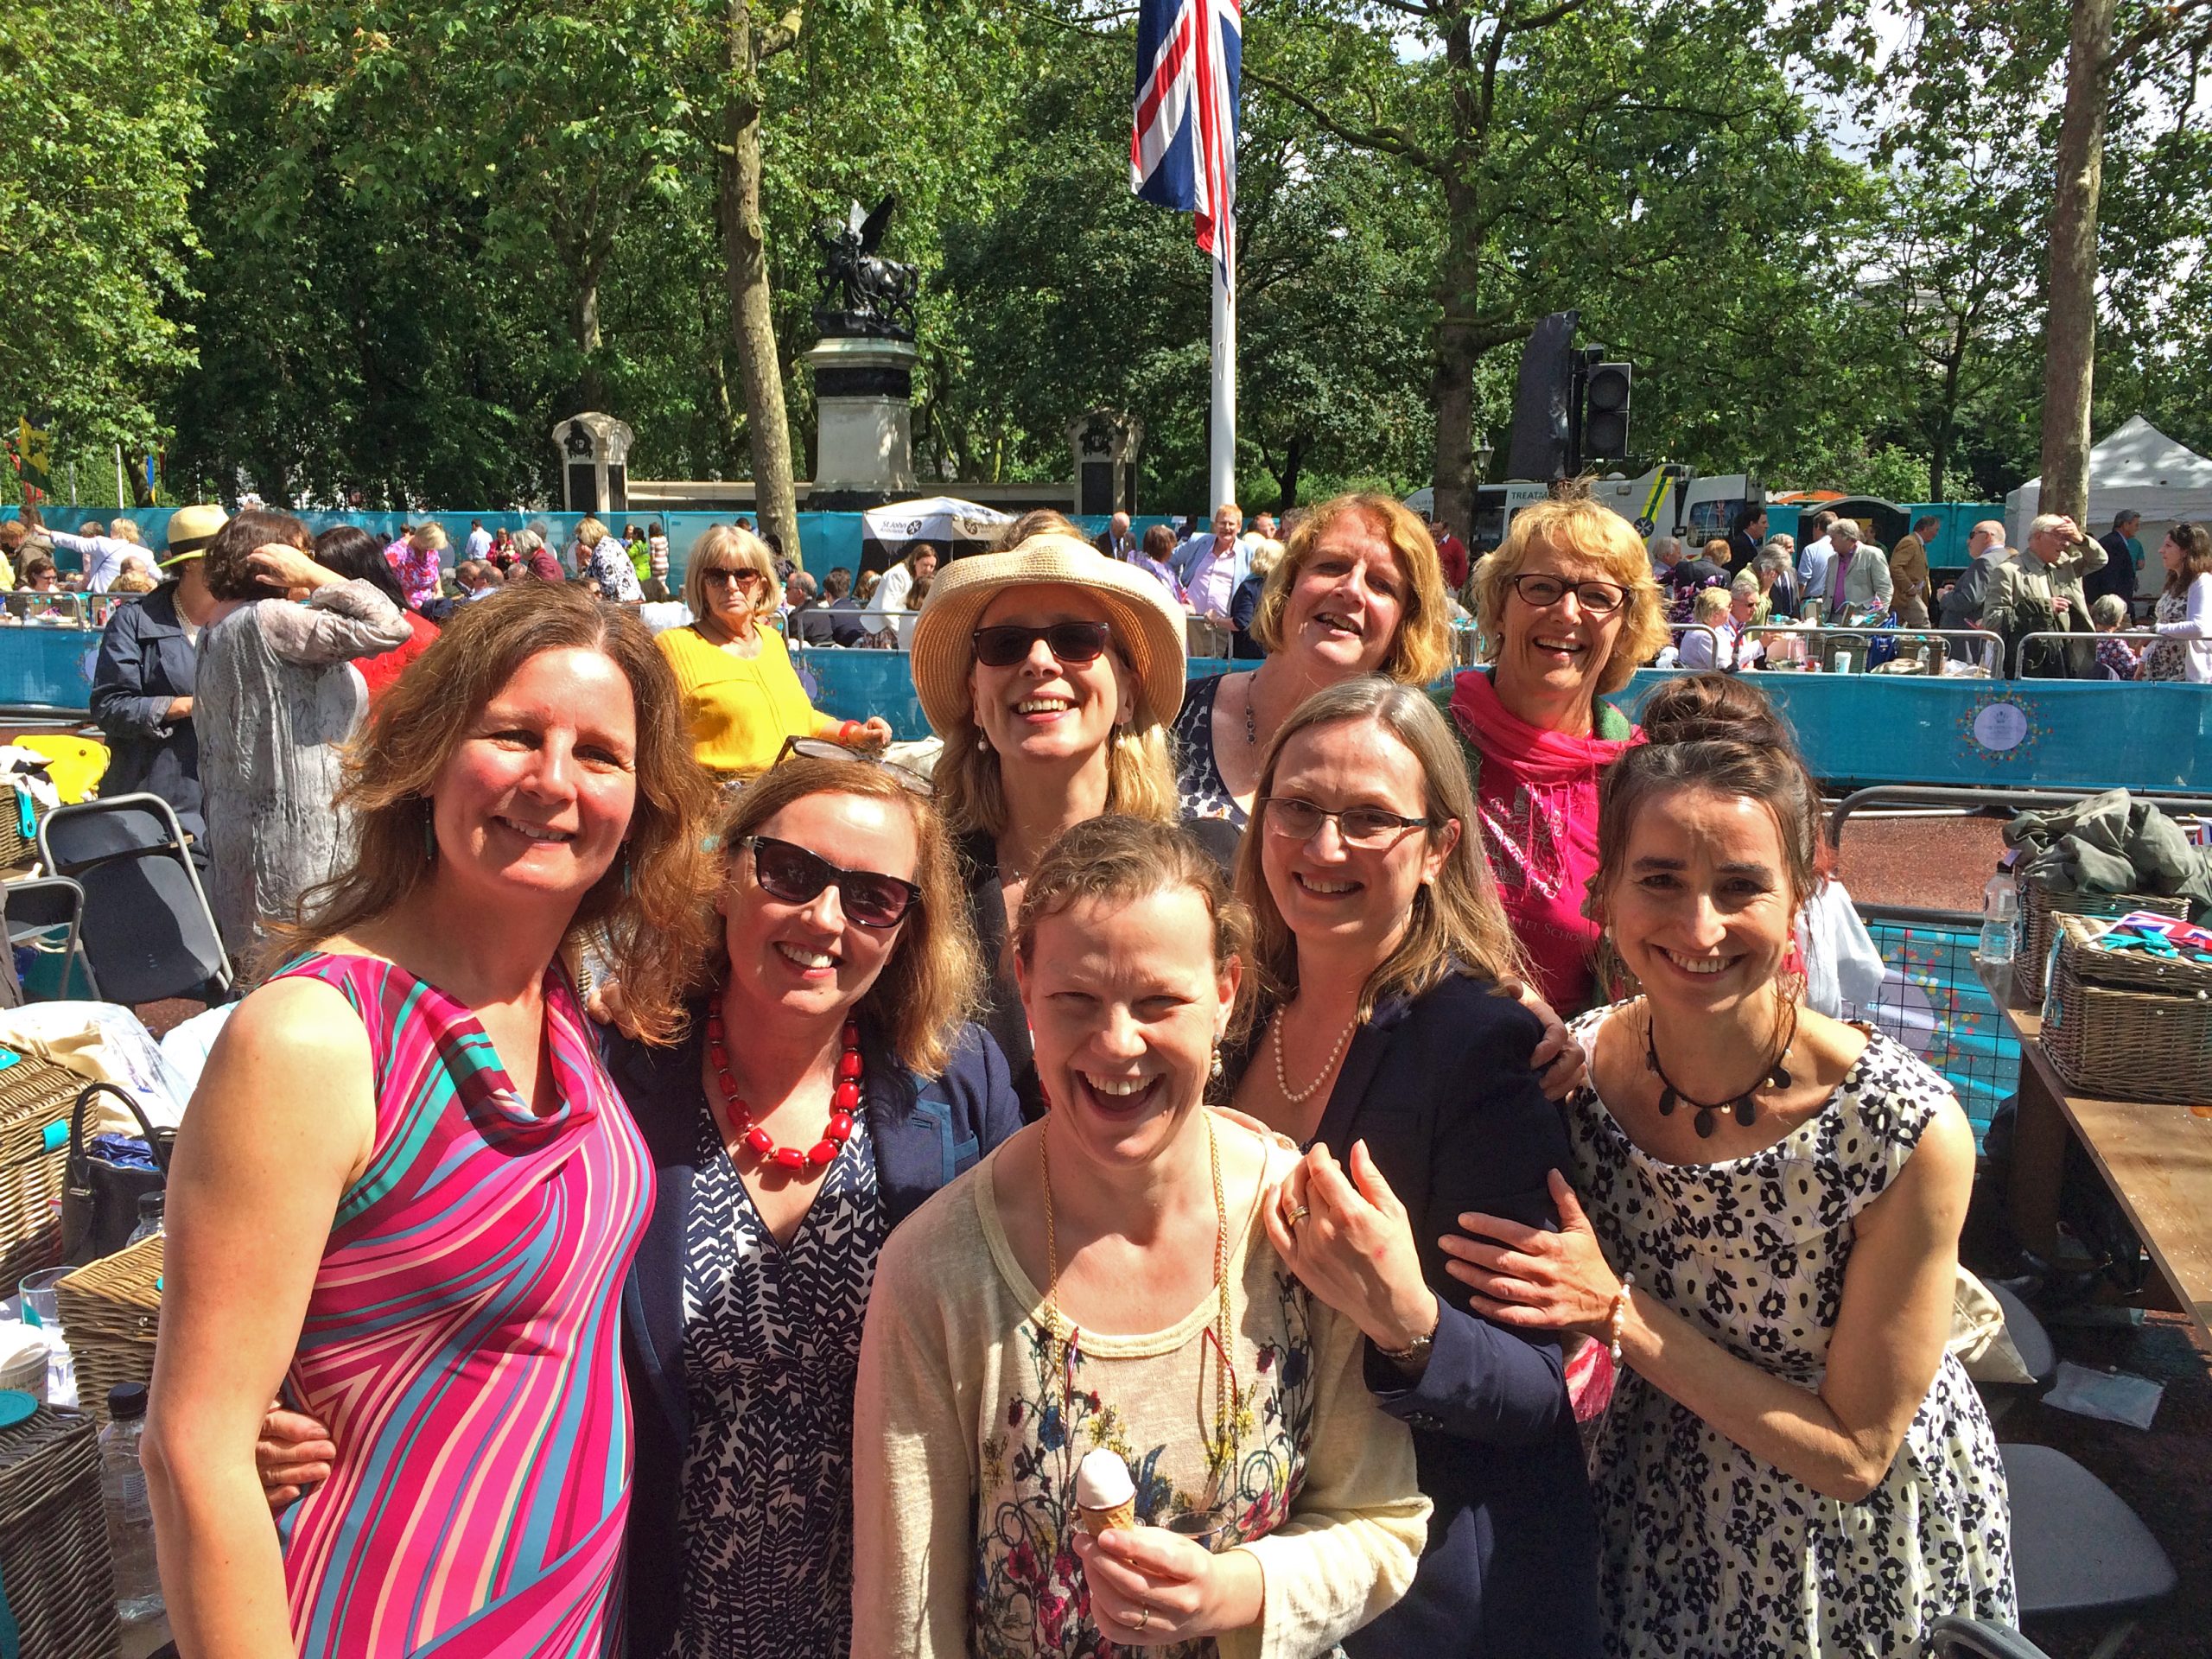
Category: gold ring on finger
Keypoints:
(1144, 1615)
(1298, 1215)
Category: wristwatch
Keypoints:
(1414, 1354)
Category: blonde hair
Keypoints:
(644, 914)
(1580, 529)
(590, 532)
(722, 547)
(1421, 649)
(1116, 858)
(1457, 924)
(126, 530)
(1140, 777)
(433, 532)
(928, 983)
(1710, 603)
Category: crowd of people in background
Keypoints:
(843, 1150)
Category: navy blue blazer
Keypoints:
(144, 662)
(924, 1132)
(1440, 1090)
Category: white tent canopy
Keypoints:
(934, 519)
(2138, 468)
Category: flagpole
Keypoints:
(1224, 470)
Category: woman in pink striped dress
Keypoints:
(406, 1193)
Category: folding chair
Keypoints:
(148, 931)
(1977, 1639)
(2079, 1553)
(41, 905)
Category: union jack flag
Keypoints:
(1183, 148)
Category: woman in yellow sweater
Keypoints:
(741, 696)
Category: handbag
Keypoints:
(100, 1196)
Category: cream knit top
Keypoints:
(971, 1418)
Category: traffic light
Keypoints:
(1604, 410)
(1546, 414)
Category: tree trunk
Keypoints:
(588, 339)
(2070, 330)
(745, 264)
(1452, 386)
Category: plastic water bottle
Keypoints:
(2000, 909)
(130, 1517)
(152, 1209)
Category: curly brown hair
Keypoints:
(644, 914)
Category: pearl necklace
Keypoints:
(1299, 1097)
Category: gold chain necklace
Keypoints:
(1220, 1443)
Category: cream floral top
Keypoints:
(972, 1417)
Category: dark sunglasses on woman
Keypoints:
(793, 876)
(1069, 642)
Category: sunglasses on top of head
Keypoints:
(793, 876)
(1004, 645)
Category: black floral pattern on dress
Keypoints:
(1199, 782)
(771, 1347)
(1708, 1550)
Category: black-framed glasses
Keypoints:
(738, 576)
(1004, 645)
(1368, 827)
(788, 872)
(1598, 598)
(824, 748)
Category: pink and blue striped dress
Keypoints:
(462, 1341)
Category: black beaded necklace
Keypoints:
(1744, 1106)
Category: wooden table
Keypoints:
(2156, 1159)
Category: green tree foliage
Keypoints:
(97, 156)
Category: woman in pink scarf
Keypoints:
(1568, 609)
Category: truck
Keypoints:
(1668, 500)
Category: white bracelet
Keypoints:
(1619, 1315)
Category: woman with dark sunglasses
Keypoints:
(1052, 672)
(825, 1085)
(741, 696)
(1569, 610)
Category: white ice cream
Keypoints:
(1101, 1481)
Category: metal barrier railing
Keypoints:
(1931, 647)
(2179, 804)
(2054, 662)
(1716, 656)
(86, 612)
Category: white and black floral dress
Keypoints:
(1706, 1548)
(771, 1343)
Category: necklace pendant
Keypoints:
(1745, 1111)
(1779, 1078)
(1666, 1102)
(1705, 1123)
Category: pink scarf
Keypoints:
(1537, 800)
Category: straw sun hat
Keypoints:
(190, 531)
(1147, 623)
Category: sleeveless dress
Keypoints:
(1706, 1548)
(462, 1342)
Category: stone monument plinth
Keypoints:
(594, 463)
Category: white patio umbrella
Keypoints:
(934, 519)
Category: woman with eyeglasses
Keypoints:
(823, 1085)
(1359, 590)
(1568, 609)
(741, 696)
(1051, 671)
(1389, 1045)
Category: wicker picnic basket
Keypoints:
(35, 1100)
(53, 1552)
(2117, 1042)
(2037, 907)
(110, 1311)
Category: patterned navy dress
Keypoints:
(773, 1339)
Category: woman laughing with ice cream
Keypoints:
(1103, 1283)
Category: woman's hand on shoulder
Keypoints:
(1561, 1065)
(1349, 1240)
(1530, 1279)
(608, 1007)
(292, 1456)
(284, 568)
(1154, 1588)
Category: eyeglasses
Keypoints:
(795, 876)
(736, 577)
(1598, 598)
(1069, 642)
(1367, 826)
(823, 748)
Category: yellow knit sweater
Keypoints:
(740, 708)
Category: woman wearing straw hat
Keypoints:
(1051, 673)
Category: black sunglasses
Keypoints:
(1069, 642)
(795, 876)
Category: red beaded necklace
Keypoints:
(844, 1101)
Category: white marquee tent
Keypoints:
(2137, 467)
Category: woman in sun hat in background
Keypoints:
(1051, 673)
